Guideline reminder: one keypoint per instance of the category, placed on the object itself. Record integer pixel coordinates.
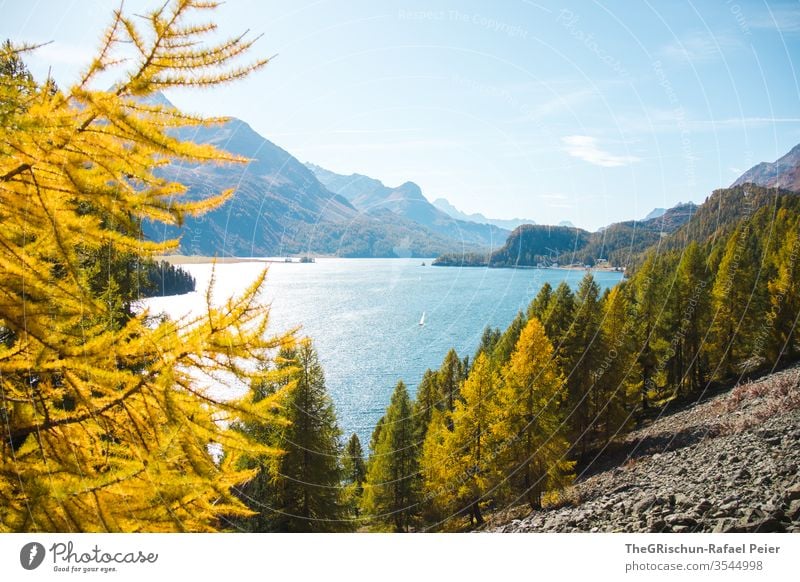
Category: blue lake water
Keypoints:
(364, 314)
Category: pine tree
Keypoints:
(426, 403)
(559, 315)
(438, 470)
(354, 468)
(489, 339)
(505, 345)
(648, 306)
(691, 325)
(355, 473)
(530, 434)
(735, 301)
(106, 428)
(540, 304)
(390, 493)
(376, 434)
(784, 290)
(260, 493)
(307, 477)
(579, 358)
(18, 89)
(449, 379)
(470, 444)
(617, 380)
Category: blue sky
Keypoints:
(593, 113)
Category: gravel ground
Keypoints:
(728, 464)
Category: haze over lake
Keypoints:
(364, 316)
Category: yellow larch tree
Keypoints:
(530, 432)
(104, 424)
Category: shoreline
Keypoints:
(202, 259)
(196, 259)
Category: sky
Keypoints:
(593, 112)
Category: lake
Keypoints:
(364, 314)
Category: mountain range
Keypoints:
(531, 245)
(782, 173)
(280, 207)
(373, 198)
(284, 207)
(507, 223)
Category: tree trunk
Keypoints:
(476, 513)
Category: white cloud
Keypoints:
(585, 148)
(698, 48)
(783, 20)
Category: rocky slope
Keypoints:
(782, 173)
(728, 464)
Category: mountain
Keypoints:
(509, 224)
(369, 196)
(655, 213)
(566, 223)
(619, 243)
(622, 242)
(533, 244)
(783, 173)
(280, 208)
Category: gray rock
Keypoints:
(794, 510)
(793, 493)
(680, 519)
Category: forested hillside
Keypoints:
(587, 366)
(541, 245)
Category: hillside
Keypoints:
(620, 242)
(783, 173)
(281, 208)
(407, 201)
(529, 245)
(720, 213)
(729, 463)
(532, 245)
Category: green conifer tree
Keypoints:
(580, 357)
(391, 489)
(618, 377)
(355, 473)
(540, 304)
(559, 315)
(508, 340)
(427, 401)
(735, 301)
(693, 308)
(305, 481)
(449, 379)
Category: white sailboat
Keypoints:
(422, 319)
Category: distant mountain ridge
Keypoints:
(782, 173)
(370, 196)
(509, 224)
(655, 213)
